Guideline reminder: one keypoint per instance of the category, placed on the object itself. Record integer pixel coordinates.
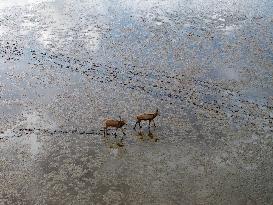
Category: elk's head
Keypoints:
(157, 112)
(122, 122)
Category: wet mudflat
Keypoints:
(65, 66)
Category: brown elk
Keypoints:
(118, 124)
(146, 117)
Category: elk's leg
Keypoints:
(154, 123)
(149, 124)
(137, 122)
(123, 131)
(116, 132)
(105, 131)
(135, 125)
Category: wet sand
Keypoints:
(65, 66)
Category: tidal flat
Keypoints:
(67, 65)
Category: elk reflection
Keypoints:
(113, 142)
(147, 136)
(116, 146)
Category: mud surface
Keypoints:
(65, 66)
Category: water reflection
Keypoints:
(147, 136)
(113, 143)
(116, 146)
(131, 54)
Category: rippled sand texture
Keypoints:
(67, 65)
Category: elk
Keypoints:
(146, 117)
(118, 124)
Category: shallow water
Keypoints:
(65, 66)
